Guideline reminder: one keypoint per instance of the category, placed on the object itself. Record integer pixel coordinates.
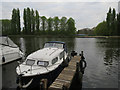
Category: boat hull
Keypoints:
(34, 81)
(10, 57)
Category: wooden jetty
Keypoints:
(65, 79)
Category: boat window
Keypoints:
(61, 55)
(30, 62)
(43, 63)
(54, 60)
(56, 45)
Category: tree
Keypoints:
(32, 22)
(118, 24)
(18, 22)
(113, 22)
(71, 30)
(37, 21)
(101, 29)
(25, 21)
(6, 26)
(50, 25)
(63, 26)
(28, 21)
(56, 24)
(43, 18)
(13, 22)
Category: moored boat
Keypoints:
(45, 63)
(9, 51)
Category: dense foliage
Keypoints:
(6, 26)
(34, 24)
(15, 22)
(110, 27)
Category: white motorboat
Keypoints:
(9, 51)
(45, 63)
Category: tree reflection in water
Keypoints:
(112, 48)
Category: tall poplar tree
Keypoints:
(71, 30)
(32, 22)
(25, 21)
(44, 19)
(63, 25)
(37, 20)
(18, 21)
(28, 21)
(13, 22)
(56, 24)
(118, 24)
(50, 25)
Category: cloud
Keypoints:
(60, 0)
(86, 14)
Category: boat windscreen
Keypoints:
(56, 45)
(30, 62)
(6, 41)
(43, 63)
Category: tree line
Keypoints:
(34, 24)
(111, 26)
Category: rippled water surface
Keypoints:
(102, 56)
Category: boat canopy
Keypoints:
(6, 41)
(57, 44)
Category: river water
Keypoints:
(101, 54)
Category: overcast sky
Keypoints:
(85, 14)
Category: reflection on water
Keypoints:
(112, 50)
(102, 57)
(110, 55)
(31, 44)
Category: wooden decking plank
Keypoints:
(56, 85)
(61, 80)
(68, 72)
(65, 77)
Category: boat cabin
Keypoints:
(57, 44)
(53, 52)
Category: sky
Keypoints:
(86, 14)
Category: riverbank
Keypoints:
(59, 36)
(98, 36)
(43, 36)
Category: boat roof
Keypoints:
(45, 54)
(6, 41)
(56, 42)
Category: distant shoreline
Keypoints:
(98, 36)
(54, 36)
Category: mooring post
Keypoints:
(77, 67)
(83, 63)
(65, 86)
(78, 76)
(43, 84)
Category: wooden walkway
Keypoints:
(65, 78)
